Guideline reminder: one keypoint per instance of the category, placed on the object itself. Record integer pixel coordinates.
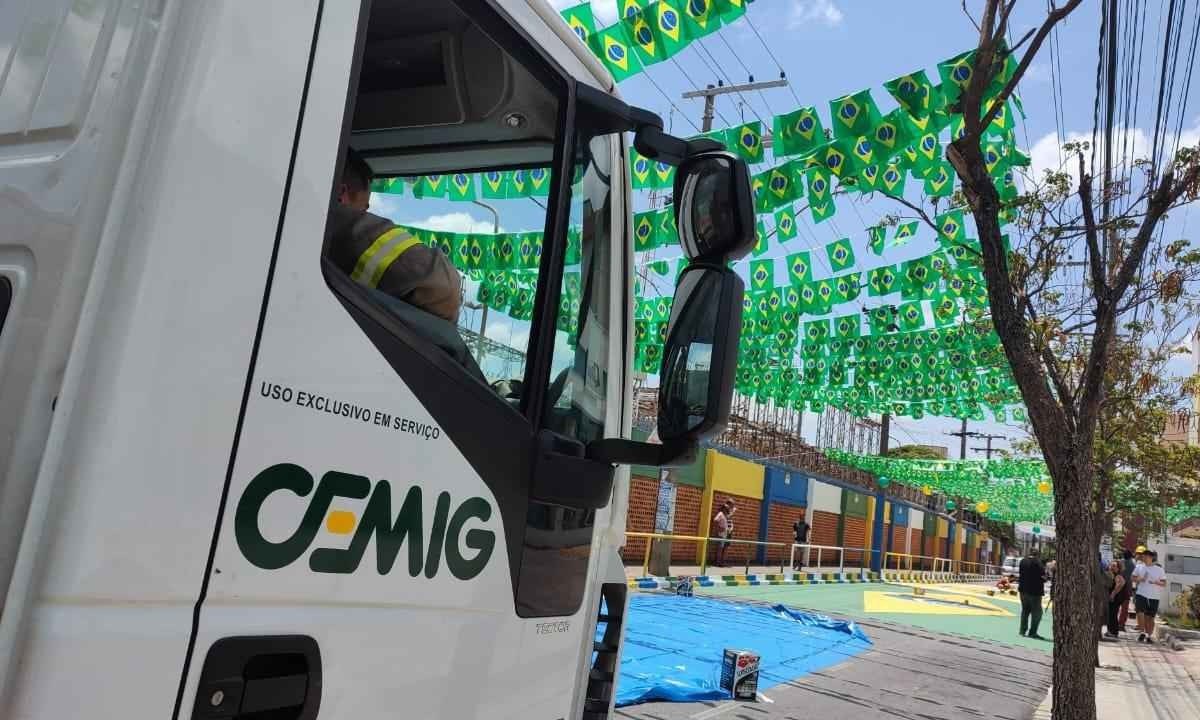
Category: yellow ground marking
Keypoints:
(931, 603)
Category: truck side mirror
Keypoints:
(696, 384)
(714, 211)
(714, 208)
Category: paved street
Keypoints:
(910, 672)
(959, 609)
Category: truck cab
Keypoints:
(242, 481)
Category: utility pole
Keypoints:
(989, 438)
(711, 92)
(885, 425)
(962, 437)
(479, 306)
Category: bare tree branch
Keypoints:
(1091, 236)
(1051, 20)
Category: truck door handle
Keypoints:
(242, 676)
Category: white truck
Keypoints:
(236, 483)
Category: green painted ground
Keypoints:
(941, 608)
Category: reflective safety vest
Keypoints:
(377, 254)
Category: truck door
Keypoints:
(406, 526)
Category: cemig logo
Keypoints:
(466, 550)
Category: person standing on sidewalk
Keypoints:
(1031, 584)
(1151, 579)
(1127, 566)
(1117, 598)
(722, 526)
(800, 528)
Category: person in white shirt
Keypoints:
(1151, 579)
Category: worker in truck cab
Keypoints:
(377, 254)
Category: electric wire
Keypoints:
(667, 97)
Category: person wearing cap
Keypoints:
(1133, 583)
(377, 254)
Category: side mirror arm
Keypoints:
(674, 453)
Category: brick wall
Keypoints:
(854, 535)
(745, 527)
(915, 538)
(687, 522)
(643, 502)
(824, 532)
(780, 518)
(940, 550)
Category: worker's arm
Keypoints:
(376, 253)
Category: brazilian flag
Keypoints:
(848, 326)
(581, 21)
(431, 186)
(956, 74)
(388, 186)
(760, 232)
(881, 280)
(666, 231)
(645, 230)
(640, 168)
(613, 46)
(950, 227)
(664, 175)
(640, 27)
(746, 140)
(819, 191)
(822, 212)
(905, 232)
(762, 274)
(876, 236)
(892, 180)
(816, 331)
(867, 179)
(940, 181)
(518, 184)
(462, 187)
(797, 132)
(913, 92)
(945, 309)
(700, 18)
(846, 287)
(854, 115)
(779, 185)
(838, 157)
(912, 316)
(494, 186)
(539, 182)
(891, 134)
(799, 268)
(629, 9)
(841, 255)
(785, 224)
(668, 26)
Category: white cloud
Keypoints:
(805, 12)
(1046, 152)
(457, 222)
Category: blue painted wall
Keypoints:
(780, 485)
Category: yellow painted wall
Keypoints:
(732, 475)
(871, 519)
(729, 475)
(943, 527)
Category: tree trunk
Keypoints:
(1074, 607)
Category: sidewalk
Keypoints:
(1146, 682)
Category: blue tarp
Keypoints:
(674, 646)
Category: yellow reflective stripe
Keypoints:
(382, 266)
(376, 259)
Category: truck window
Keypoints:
(470, 239)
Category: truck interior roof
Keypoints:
(436, 94)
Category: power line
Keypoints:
(782, 72)
(668, 99)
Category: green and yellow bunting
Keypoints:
(904, 233)
(612, 44)
(762, 274)
(700, 18)
(841, 255)
(581, 21)
(785, 223)
(854, 115)
(882, 280)
(875, 239)
(746, 139)
(799, 268)
(913, 92)
(950, 227)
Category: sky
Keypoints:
(829, 48)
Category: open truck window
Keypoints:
(478, 184)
